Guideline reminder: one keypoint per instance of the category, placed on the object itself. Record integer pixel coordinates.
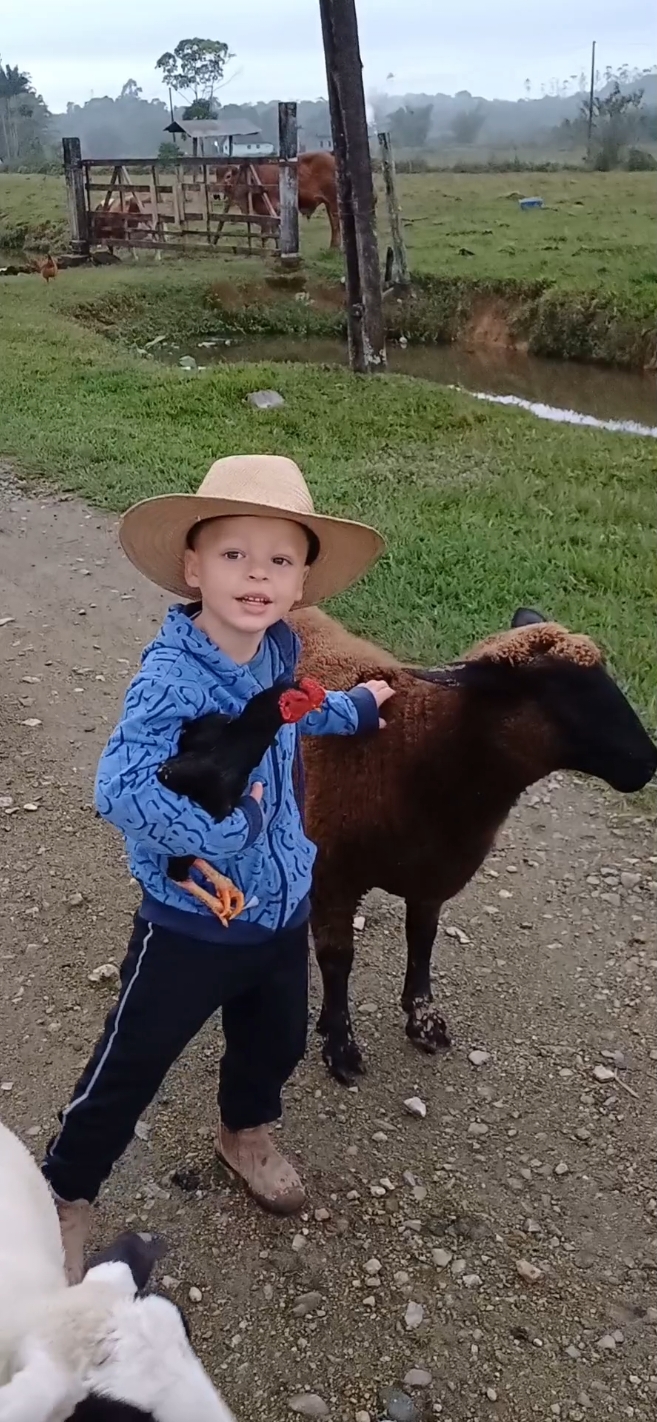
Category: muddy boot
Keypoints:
(74, 1222)
(268, 1176)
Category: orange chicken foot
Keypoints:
(226, 902)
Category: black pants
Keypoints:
(170, 986)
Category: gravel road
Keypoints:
(497, 1258)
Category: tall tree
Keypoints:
(467, 125)
(130, 90)
(409, 127)
(195, 67)
(615, 123)
(23, 117)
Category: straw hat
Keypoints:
(154, 533)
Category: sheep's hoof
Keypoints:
(426, 1029)
(344, 1059)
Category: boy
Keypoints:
(250, 543)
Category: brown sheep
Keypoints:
(416, 810)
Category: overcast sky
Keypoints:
(75, 49)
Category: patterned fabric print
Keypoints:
(264, 850)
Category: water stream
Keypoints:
(619, 400)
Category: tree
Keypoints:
(130, 90)
(466, 125)
(409, 127)
(616, 121)
(168, 154)
(132, 127)
(196, 66)
(200, 109)
(23, 117)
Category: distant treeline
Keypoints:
(421, 124)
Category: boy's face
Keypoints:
(250, 571)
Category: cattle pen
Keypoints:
(156, 205)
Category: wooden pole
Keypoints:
(288, 182)
(591, 93)
(400, 272)
(75, 195)
(346, 211)
(355, 185)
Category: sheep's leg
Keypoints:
(425, 1027)
(334, 945)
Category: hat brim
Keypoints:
(154, 533)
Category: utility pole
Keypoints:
(591, 92)
(355, 186)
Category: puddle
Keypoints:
(618, 400)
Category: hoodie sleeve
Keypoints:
(130, 796)
(344, 713)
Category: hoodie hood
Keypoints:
(180, 640)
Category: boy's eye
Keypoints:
(282, 561)
(233, 553)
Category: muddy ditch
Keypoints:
(533, 318)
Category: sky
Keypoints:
(74, 50)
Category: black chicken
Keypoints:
(215, 757)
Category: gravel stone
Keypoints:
(398, 1405)
(418, 1377)
(529, 1272)
(413, 1316)
(307, 1303)
(415, 1106)
(308, 1404)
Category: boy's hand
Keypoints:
(256, 792)
(381, 692)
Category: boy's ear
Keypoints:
(304, 577)
(191, 568)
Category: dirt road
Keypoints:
(546, 964)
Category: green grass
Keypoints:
(32, 211)
(483, 508)
(595, 228)
(576, 279)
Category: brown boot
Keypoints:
(268, 1176)
(74, 1222)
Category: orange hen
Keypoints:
(49, 268)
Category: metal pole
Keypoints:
(75, 195)
(355, 185)
(591, 92)
(288, 182)
(400, 272)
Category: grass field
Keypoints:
(575, 279)
(483, 508)
(32, 209)
(595, 228)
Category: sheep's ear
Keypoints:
(526, 617)
(139, 1251)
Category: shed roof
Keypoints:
(219, 128)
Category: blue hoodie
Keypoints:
(262, 847)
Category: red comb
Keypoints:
(298, 702)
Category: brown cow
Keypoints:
(113, 223)
(317, 188)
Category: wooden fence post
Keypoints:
(400, 272)
(288, 180)
(76, 196)
(355, 187)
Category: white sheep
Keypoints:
(94, 1351)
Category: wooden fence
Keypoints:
(150, 204)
